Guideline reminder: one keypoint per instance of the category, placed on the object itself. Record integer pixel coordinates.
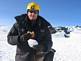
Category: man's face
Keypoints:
(32, 15)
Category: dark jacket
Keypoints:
(22, 25)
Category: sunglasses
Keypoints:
(34, 11)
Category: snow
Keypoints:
(67, 49)
(7, 52)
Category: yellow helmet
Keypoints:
(33, 5)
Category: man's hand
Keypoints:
(29, 35)
(25, 37)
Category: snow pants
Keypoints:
(45, 56)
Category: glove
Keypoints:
(32, 43)
(25, 37)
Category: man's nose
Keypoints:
(33, 13)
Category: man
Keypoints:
(31, 35)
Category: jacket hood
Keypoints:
(21, 19)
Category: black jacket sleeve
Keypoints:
(48, 40)
(13, 36)
(45, 40)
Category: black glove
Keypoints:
(25, 37)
